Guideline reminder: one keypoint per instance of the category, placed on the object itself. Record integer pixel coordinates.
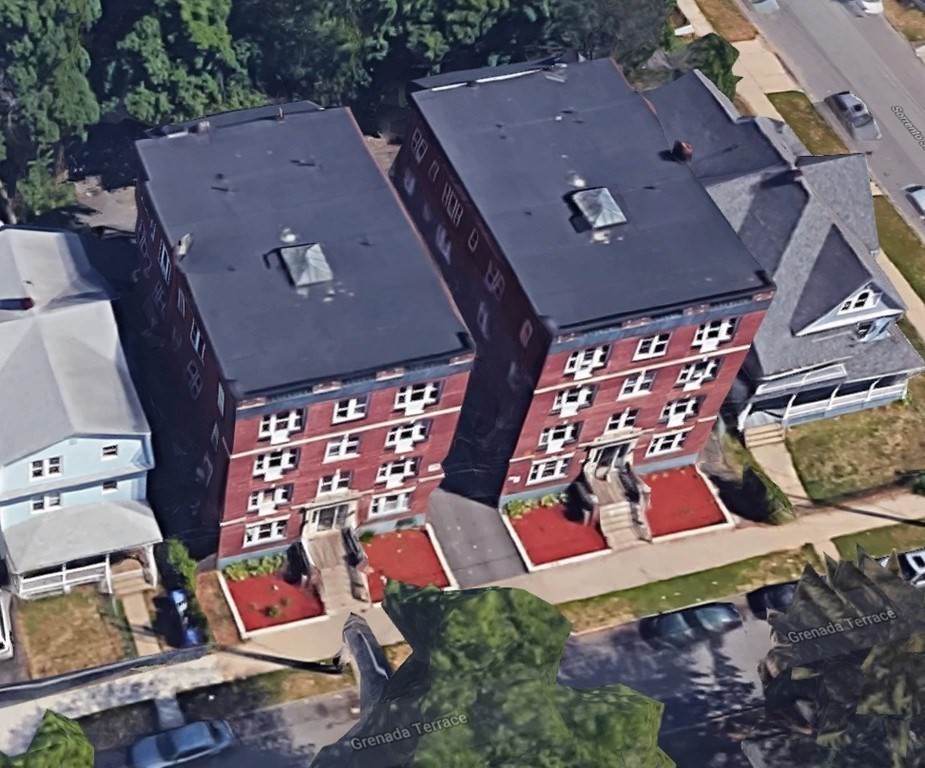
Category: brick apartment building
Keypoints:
(611, 302)
(321, 361)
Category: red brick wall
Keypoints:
(605, 404)
(311, 442)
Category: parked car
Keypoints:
(870, 7)
(773, 597)
(177, 746)
(188, 635)
(916, 195)
(680, 628)
(911, 566)
(6, 627)
(854, 115)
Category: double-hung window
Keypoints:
(282, 423)
(394, 473)
(652, 346)
(414, 398)
(51, 467)
(625, 419)
(390, 504)
(342, 448)
(694, 375)
(404, 437)
(418, 145)
(637, 384)
(667, 443)
(272, 465)
(350, 409)
(338, 481)
(552, 469)
(582, 363)
(262, 533)
(494, 280)
(198, 341)
(569, 401)
(678, 411)
(554, 438)
(163, 260)
(269, 499)
(710, 335)
(193, 379)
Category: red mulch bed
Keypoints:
(681, 501)
(406, 556)
(548, 535)
(252, 597)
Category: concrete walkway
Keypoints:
(777, 464)
(139, 622)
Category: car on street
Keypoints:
(187, 634)
(178, 746)
(870, 7)
(699, 622)
(773, 597)
(916, 195)
(911, 566)
(854, 115)
(6, 627)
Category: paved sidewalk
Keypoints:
(139, 622)
(777, 464)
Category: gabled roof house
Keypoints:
(829, 343)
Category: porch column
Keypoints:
(151, 565)
(109, 589)
(743, 417)
(832, 397)
(870, 390)
(64, 584)
(787, 409)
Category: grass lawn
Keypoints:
(396, 654)
(71, 632)
(246, 695)
(119, 727)
(811, 127)
(728, 21)
(861, 451)
(879, 542)
(901, 244)
(906, 18)
(714, 584)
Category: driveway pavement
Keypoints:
(830, 48)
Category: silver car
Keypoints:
(855, 116)
(180, 745)
(916, 195)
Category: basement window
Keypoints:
(598, 208)
(306, 265)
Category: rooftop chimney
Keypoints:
(17, 305)
(203, 126)
(682, 152)
(183, 246)
(280, 115)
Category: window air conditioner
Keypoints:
(554, 446)
(693, 384)
(583, 373)
(403, 446)
(414, 408)
(709, 345)
(568, 409)
(266, 506)
(676, 419)
(273, 473)
(278, 437)
(394, 481)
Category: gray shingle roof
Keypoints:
(813, 234)
(62, 358)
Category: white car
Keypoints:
(870, 7)
(6, 627)
(916, 195)
(180, 745)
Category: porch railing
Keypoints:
(61, 581)
(897, 390)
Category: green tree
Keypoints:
(628, 30)
(483, 666)
(58, 743)
(169, 60)
(714, 57)
(45, 97)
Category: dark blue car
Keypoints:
(188, 634)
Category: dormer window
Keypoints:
(866, 299)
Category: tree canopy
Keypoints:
(58, 743)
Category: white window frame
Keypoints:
(268, 499)
(526, 333)
(677, 412)
(350, 409)
(625, 419)
(336, 482)
(582, 363)
(667, 442)
(451, 204)
(382, 506)
(46, 502)
(109, 451)
(689, 377)
(444, 244)
(143, 239)
(275, 463)
(193, 379)
(396, 473)
(216, 434)
(473, 241)
(483, 318)
(569, 401)
(197, 340)
(554, 438)
(277, 532)
(414, 398)
(220, 400)
(408, 181)
(110, 486)
(160, 298)
(163, 261)
(494, 280)
(652, 346)
(405, 436)
(280, 422)
(559, 467)
(53, 466)
(418, 145)
(181, 303)
(865, 299)
(344, 447)
(711, 335)
(433, 171)
(637, 384)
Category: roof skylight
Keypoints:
(598, 207)
(306, 265)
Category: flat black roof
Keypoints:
(522, 144)
(251, 184)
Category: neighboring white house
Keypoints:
(75, 446)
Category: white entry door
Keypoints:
(327, 518)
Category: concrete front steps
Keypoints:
(129, 579)
(770, 434)
(617, 526)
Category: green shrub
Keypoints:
(776, 505)
(517, 508)
(549, 500)
(273, 611)
(918, 484)
(255, 566)
(366, 537)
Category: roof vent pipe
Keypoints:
(203, 126)
(682, 152)
(280, 115)
(183, 246)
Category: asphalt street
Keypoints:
(830, 46)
